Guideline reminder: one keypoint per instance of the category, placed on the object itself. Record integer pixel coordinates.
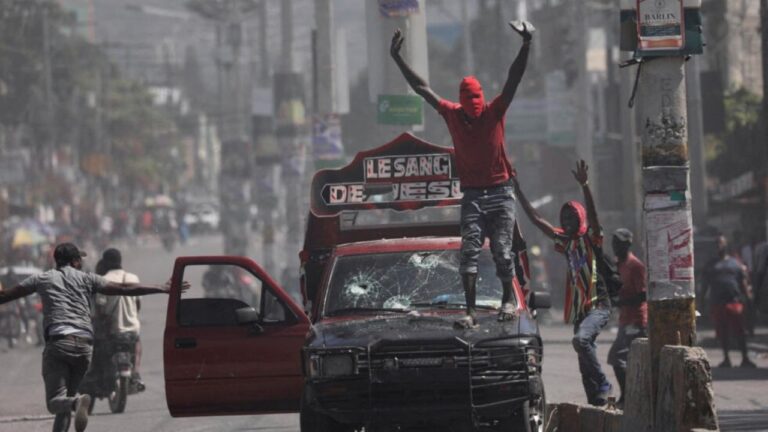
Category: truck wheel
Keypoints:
(313, 421)
(528, 418)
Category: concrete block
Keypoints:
(592, 419)
(685, 397)
(569, 418)
(612, 421)
(638, 404)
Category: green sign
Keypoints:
(400, 110)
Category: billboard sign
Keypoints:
(400, 110)
(398, 8)
(660, 25)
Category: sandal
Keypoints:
(465, 323)
(507, 312)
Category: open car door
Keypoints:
(232, 342)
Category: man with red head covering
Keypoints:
(587, 305)
(488, 204)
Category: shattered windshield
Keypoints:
(405, 281)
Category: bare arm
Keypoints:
(744, 285)
(533, 215)
(581, 174)
(417, 83)
(517, 69)
(14, 293)
(131, 289)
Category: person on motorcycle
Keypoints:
(67, 292)
(120, 315)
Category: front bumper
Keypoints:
(421, 384)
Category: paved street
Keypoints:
(740, 394)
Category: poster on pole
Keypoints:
(670, 238)
(326, 137)
(660, 25)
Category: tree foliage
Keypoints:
(94, 109)
(740, 148)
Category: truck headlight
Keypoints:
(330, 365)
(338, 365)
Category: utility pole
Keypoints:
(47, 151)
(696, 142)
(667, 208)
(466, 40)
(228, 16)
(629, 154)
(583, 90)
(290, 119)
(764, 33)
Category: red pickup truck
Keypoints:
(373, 344)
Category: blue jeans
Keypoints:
(64, 365)
(585, 333)
(488, 212)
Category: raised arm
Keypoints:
(417, 83)
(533, 215)
(14, 293)
(136, 289)
(581, 174)
(517, 69)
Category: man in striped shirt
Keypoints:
(587, 305)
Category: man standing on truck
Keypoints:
(488, 205)
(587, 304)
(66, 293)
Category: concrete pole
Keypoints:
(47, 151)
(466, 40)
(583, 91)
(667, 208)
(384, 76)
(764, 32)
(696, 142)
(326, 82)
(286, 27)
(629, 154)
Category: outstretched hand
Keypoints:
(184, 286)
(523, 28)
(397, 43)
(581, 173)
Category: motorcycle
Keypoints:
(111, 374)
(10, 323)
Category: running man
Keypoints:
(67, 293)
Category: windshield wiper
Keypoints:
(446, 305)
(343, 311)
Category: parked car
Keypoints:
(202, 218)
(374, 343)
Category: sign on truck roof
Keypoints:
(405, 174)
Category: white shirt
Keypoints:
(122, 309)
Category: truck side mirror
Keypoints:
(540, 300)
(247, 315)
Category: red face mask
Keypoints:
(573, 217)
(471, 96)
